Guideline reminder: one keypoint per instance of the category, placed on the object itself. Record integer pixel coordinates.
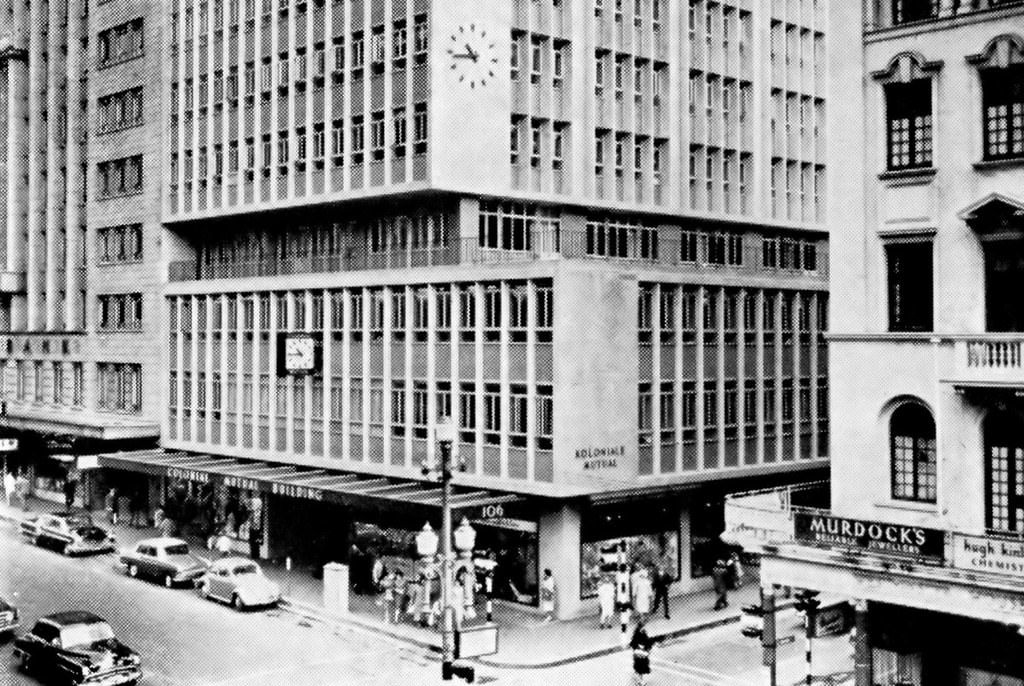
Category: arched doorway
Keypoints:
(1004, 472)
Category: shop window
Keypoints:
(910, 286)
(611, 537)
(908, 109)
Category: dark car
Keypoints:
(166, 559)
(68, 532)
(8, 618)
(77, 648)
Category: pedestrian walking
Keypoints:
(606, 600)
(21, 490)
(662, 581)
(547, 596)
(718, 579)
(622, 602)
(735, 571)
(111, 504)
(642, 593)
(641, 643)
(9, 482)
(413, 591)
(397, 601)
(458, 600)
(255, 541)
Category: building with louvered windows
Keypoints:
(589, 231)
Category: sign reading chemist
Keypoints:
(875, 537)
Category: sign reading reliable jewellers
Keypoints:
(874, 537)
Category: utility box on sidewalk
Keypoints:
(336, 587)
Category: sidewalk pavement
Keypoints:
(525, 640)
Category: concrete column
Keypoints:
(54, 161)
(862, 667)
(74, 316)
(558, 541)
(17, 143)
(36, 141)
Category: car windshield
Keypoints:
(179, 549)
(85, 634)
(246, 569)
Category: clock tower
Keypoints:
(472, 101)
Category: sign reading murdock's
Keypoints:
(880, 537)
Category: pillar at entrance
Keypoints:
(862, 667)
(559, 551)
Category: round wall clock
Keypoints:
(472, 56)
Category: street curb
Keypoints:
(320, 615)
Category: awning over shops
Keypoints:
(308, 482)
(109, 427)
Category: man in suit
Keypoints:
(662, 581)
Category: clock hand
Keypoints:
(463, 56)
(473, 55)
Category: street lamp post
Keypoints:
(444, 433)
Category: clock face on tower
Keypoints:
(472, 56)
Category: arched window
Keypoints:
(912, 446)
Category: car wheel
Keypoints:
(26, 663)
(204, 590)
(236, 602)
(133, 571)
(66, 549)
(168, 581)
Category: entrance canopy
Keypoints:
(348, 488)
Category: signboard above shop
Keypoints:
(989, 554)
(925, 545)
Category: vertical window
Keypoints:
(419, 125)
(401, 138)
(377, 135)
(912, 432)
(1003, 108)
(909, 114)
(910, 286)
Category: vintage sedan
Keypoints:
(240, 582)
(77, 648)
(71, 533)
(166, 559)
(8, 618)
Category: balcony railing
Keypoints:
(889, 13)
(656, 252)
(992, 358)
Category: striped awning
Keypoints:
(307, 482)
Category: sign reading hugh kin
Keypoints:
(875, 537)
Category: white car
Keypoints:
(240, 582)
(68, 532)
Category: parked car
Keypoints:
(77, 648)
(68, 532)
(240, 582)
(8, 618)
(166, 559)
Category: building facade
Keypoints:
(79, 303)
(925, 522)
(591, 232)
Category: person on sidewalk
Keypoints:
(111, 504)
(606, 600)
(622, 602)
(137, 505)
(735, 571)
(21, 490)
(641, 643)
(718, 580)
(397, 603)
(661, 583)
(547, 596)
(8, 487)
(642, 593)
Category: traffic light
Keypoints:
(752, 621)
(452, 669)
(806, 601)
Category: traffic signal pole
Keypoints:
(768, 643)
